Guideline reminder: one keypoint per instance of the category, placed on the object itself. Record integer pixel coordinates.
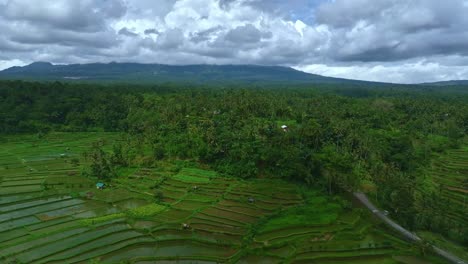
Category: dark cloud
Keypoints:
(63, 14)
(6, 45)
(244, 34)
(150, 31)
(225, 4)
(267, 35)
(205, 34)
(369, 31)
(35, 36)
(126, 32)
(170, 39)
(281, 7)
(52, 30)
(401, 15)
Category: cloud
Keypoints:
(244, 34)
(64, 14)
(408, 72)
(171, 39)
(392, 30)
(10, 63)
(138, 9)
(361, 38)
(126, 32)
(150, 31)
(205, 35)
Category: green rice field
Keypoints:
(50, 213)
(449, 174)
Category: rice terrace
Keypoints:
(233, 131)
(49, 213)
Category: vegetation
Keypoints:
(102, 219)
(145, 211)
(214, 223)
(200, 153)
(318, 211)
(442, 204)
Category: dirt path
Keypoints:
(407, 234)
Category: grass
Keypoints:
(317, 211)
(191, 179)
(146, 211)
(193, 175)
(101, 219)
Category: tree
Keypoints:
(100, 167)
(337, 169)
(118, 156)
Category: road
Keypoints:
(407, 234)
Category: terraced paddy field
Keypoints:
(449, 173)
(170, 213)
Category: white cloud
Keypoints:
(409, 72)
(4, 64)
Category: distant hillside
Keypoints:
(166, 73)
(448, 83)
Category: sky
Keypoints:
(398, 41)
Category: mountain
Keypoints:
(167, 73)
(448, 83)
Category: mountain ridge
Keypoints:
(191, 73)
(447, 83)
(198, 73)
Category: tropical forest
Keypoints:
(113, 172)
